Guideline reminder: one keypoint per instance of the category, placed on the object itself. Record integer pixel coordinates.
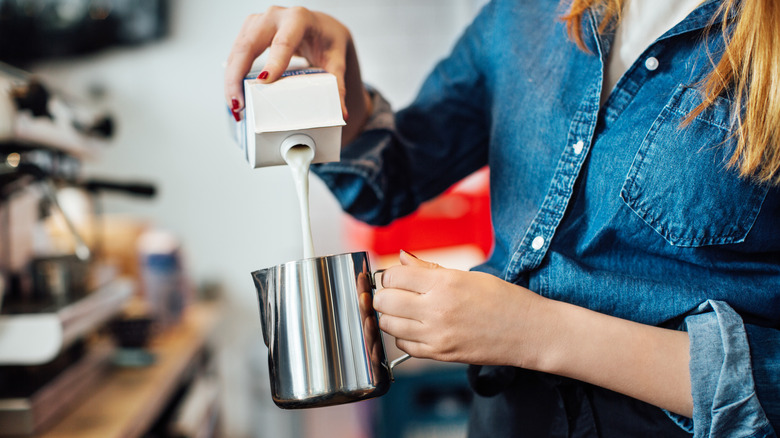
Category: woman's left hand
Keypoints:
(455, 316)
(479, 319)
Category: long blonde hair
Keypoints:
(749, 69)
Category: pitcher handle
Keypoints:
(396, 362)
(376, 279)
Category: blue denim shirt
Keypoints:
(615, 207)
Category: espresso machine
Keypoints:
(54, 292)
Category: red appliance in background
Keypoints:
(458, 217)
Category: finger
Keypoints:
(402, 328)
(399, 303)
(420, 279)
(289, 35)
(414, 348)
(409, 259)
(255, 36)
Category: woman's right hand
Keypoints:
(318, 37)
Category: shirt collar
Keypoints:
(704, 15)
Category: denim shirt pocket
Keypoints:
(679, 183)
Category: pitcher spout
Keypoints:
(262, 280)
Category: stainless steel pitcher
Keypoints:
(322, 333)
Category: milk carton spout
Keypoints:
(297, 142)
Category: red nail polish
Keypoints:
(236, 115)
(263, 75)
(234, 102)
(410, 254)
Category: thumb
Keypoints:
(409, 259)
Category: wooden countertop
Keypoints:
(129, 400)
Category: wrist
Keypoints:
(541, 344)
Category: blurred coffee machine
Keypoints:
(54, 291)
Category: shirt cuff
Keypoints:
(382, 116)
(725, 403)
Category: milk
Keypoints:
(299, 156)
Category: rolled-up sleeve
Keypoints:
(408, 157)
(735, 375)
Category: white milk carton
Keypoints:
(301, 107)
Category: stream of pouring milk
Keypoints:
(298, 158)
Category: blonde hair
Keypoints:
(749, 70)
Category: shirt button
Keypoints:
(537, 243)
(651, 63)
(578, 147)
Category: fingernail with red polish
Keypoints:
(407, 252)
(263, 75)
(236, 115)
(234, 102)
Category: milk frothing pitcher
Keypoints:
(322, 333)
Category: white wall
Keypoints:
(173, 131)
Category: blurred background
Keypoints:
(157, 74)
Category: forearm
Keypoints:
(641, 361)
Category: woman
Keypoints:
(634, 285)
